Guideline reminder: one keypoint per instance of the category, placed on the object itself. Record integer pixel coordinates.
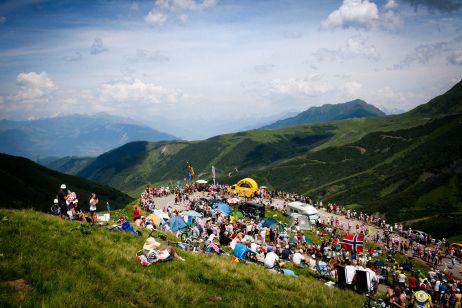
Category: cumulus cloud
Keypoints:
(33, 85)
(155, 18)
(97, 47)
(138, 91)
(391, 5)
(354, 14)
(164, 9)
(456, 57)
(355, 47)
(263, 68)
(144, 55)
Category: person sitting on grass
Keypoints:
(272, 259)
(298, 258)
(241, 252)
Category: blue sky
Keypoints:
(201, 68)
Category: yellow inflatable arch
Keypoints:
(244, 188)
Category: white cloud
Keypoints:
(352, 88)
(138, 92)
(313, 85)
(456, 57)
(97, 47)
(390, 20)
(391, 5)
(33, 85)
(191, 5)
(164, 9)
(155, 18)
(352, 13)
(355, 47)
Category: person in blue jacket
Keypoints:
(241, 251)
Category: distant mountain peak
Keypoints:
(356, 108)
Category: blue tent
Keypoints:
(177, 223)
(223, 207)
(268, 222)
(271, 223)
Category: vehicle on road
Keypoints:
(301, 208)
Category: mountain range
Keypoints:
(405, 166)
(330, 112)
(81, 135)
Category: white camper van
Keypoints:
(303, 209)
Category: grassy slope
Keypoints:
(61, 266)
(25, 184)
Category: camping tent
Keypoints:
(272, 224)
(177, 223)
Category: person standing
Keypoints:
(136, 213)
(62, 196)
(93, 201)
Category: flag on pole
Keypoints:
(353, 242)
(213, 174)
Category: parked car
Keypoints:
(252, 209)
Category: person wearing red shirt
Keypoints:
(412, 283)
(136, 213)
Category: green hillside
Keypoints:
(133, 165)
(406, 174)
(25, 184)
(52, 263)
(330, 112)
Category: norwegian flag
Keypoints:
(353, 242)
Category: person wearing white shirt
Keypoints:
(350, 272)
(298, 257)
(271, 259)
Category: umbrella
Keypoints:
(192, 214)
(223, 207)
(177, 223)
(232, 200)
(154, 218)
(201, 182)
